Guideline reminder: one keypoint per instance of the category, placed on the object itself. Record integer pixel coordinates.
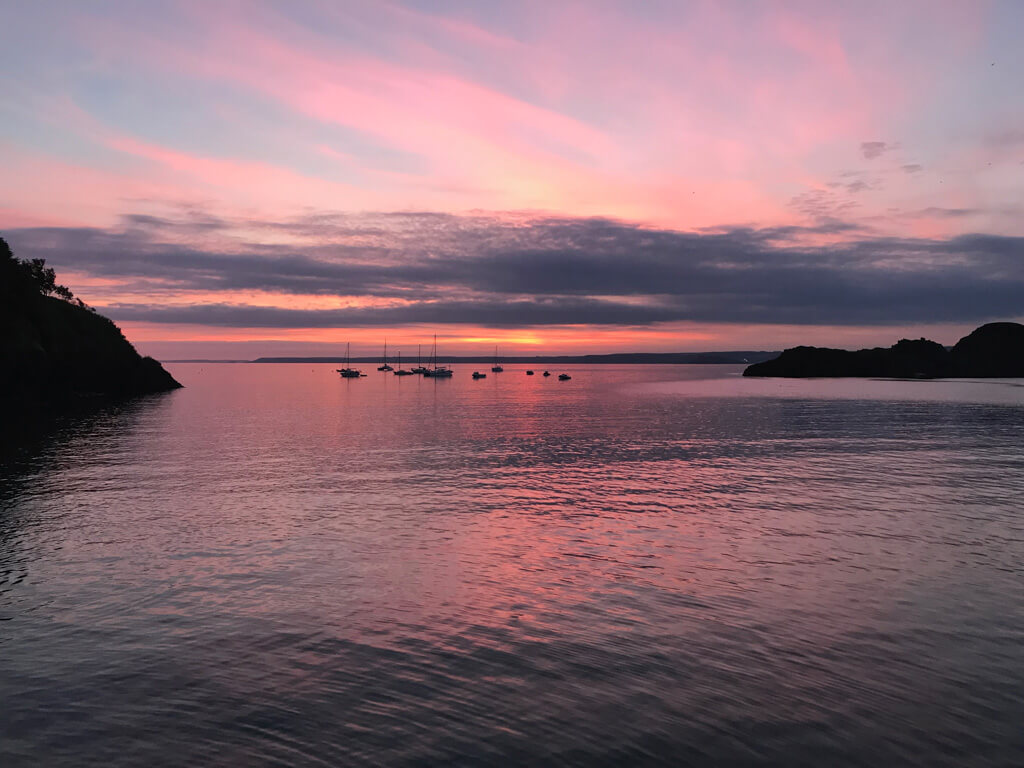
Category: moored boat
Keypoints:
(420, 368)
(398, 370)
(348, 372)
(384, 366)
(437, 371)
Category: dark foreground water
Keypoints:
(644, 565)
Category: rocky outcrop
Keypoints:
(993, 350)
(54, 351)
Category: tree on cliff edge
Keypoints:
(31, 276)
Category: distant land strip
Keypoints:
(650, 358)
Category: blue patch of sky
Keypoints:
(42, 57)
(973, 96)
(217, 120)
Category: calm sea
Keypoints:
(664, 565)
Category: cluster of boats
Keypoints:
(561, 376)
(432, 371)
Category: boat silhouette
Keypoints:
(437, 371)
(398, 370)
(348, 372)
(420, 368)
(385, 366)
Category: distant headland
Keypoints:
(55, 350)
(616, 358)
(995, 350)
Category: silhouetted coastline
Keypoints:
(55, 352)
(995, 350)
(616, 358)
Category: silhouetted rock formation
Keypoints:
(993, 350)
(54, 351)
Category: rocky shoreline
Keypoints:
(995, 350)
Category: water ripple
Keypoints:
(650, 566)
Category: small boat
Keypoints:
(564, 377)
(529, 373)
(478, 375)
(496, 368)
(547, 373)
(420, 368)
(348, 372)
(399, 371)
(385, 366)
(438, 371)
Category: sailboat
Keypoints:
(385, 366)
(348, 372)
(496, 368)
(419, 366)
(398, 370)
(438, 371)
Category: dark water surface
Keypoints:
(644, 565)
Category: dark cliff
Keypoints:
(54, 351)
(995, 350)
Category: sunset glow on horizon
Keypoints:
(240, 179)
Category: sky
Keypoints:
(236, 179)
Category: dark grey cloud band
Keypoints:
(501, 271)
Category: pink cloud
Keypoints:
(505, 153)
(704, 115)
